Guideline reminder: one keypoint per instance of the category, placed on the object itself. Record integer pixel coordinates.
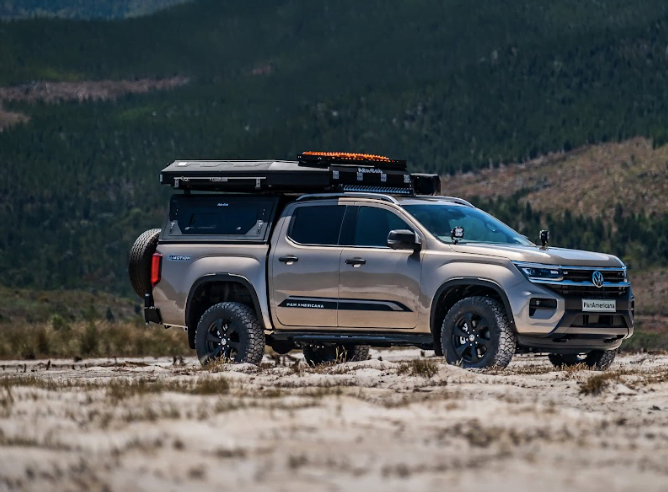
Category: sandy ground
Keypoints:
(152, 425)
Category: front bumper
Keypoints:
(570, 330)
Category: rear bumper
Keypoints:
(151, 313)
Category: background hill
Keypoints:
(450, 85)
(81, 9)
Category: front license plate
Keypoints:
(599, 305)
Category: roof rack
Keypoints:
(313, 172)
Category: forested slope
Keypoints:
(81, 9)
(448, 85)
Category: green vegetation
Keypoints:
(449, 85)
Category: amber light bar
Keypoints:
(348, 156)
(320, 159)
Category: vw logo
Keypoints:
(597, 279)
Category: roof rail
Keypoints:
(459, 201)
(323, 196)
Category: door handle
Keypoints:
(288, 259)
(355, 261)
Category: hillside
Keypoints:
(448, 85)
(589, 181)
(82, 9)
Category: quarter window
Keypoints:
(317, 225)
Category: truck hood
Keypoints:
(536, 254)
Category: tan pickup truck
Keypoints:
(333, 253)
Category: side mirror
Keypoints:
(403, 239)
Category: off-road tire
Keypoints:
(332, 354)
(243, 329)
(598, 360)
(139, 264)
(502, 342)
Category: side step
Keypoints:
(422, 340)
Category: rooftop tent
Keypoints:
(312, 172)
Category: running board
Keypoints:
(422, 340)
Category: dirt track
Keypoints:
(151, 425)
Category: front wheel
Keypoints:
(229, 331)
(598, 360)
(476, 333)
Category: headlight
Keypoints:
(536, 271)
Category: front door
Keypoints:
(305, 267)
(379, 286)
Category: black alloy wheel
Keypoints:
(471, 337)
(223, 340)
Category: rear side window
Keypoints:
(317, 225)
(220, 217)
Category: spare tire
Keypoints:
(141, 256)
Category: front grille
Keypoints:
(585, 275)
(587, 291)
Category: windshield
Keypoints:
(441, 218)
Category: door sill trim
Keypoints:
(378, 339)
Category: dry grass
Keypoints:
(124, 389)
(595, 385)
(89, 339)
(426, 368)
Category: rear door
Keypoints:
(304, 278)
(379, 286)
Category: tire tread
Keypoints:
(248, 318)
(507, 339)
(139, 263)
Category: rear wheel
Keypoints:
(323, 354)
(476, 333)
(229, 331)
(599, 360)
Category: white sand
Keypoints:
(357, 426)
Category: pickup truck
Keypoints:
(334, 253)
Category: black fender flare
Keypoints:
(220, 278)
(463, 282)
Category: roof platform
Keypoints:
(312, 172)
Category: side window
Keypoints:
(233, 219)
(219, 217)
(317, 225)
(373, 226)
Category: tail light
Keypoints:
(156, 269)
